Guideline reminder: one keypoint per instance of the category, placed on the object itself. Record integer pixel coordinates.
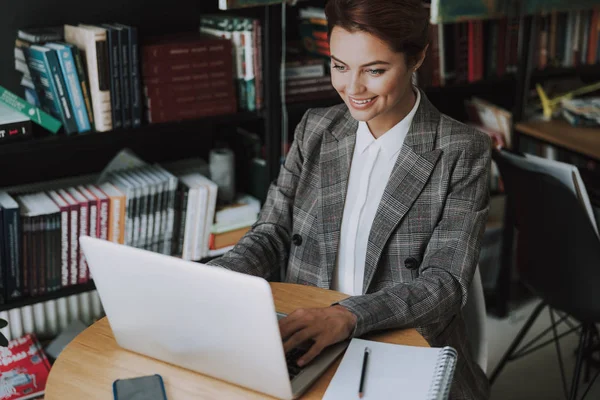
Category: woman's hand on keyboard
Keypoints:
(325, 326)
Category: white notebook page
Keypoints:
(393, 372)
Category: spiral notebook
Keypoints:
(394, 372)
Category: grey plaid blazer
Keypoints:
(424, 244)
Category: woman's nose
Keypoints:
(355, 86)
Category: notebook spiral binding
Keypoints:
(442, 379)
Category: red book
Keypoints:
(84, 230)
(103, 210)
(501, 48)
(65, 244)
(73, 235)
(188, 46)
(190, 78)
(472, 52)
(182, 68)
(24, 369)
(192, 111)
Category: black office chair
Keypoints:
(558, 255)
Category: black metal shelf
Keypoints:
(65, 292)
(557, 72)
(90, 139)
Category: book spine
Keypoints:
(73, 88)
(94, 48)
(65, 246)
(188, 79)
(189, 89)
(45, 266)
(171, 101)
(15, 131)
(136, 86)
(84, 220)
(103, 218)
(195, 51)
(84, 84)
(126, 100)
(197, 110)
(257, 38)
(74, 244)
(183, 68)
(56, 252)
(37, 250)
(44, 83)
(12, 244)
(26, 254)
(112, 39)
(3, 261)
(249, 76)
(61, 92)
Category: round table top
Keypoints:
(88, 366)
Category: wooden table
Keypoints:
(89, 365)
(580, 140)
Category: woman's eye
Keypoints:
(375, 72)
(339, 67)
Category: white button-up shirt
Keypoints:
(371, 167)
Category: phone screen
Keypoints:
(142, 388)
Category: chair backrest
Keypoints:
(558, 251)
(474, 315)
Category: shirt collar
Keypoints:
(391, 141)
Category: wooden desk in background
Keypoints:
(585, 141)
(88, 366)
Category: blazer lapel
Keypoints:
(412, 169)
(337, 150)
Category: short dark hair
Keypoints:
(402, 24)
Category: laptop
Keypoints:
(207, 319)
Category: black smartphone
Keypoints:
(144, 387)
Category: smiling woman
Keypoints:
(382, 198)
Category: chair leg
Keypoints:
(583, 339)
(517, 341)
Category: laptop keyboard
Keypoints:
(291, 359)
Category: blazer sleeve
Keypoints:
(264, 250)
(450, 258)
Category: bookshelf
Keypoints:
(585, 141)
(54, 157)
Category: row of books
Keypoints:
(307, 78)
(245, 35)
(50, 318)
(567, 39)
(470, 51)
(87, 76)
(144, 206)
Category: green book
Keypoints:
(35, 114)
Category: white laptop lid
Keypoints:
(208, 319)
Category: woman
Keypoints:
(382, 198)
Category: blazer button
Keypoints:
(297, 239)
(411, 263)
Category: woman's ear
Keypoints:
(421, 58)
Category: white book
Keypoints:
(27, 319)
(208, 210)
(16, 324)
(190, 220)
(51, 309)
(63, 313)
(39, 316)
(91, 40)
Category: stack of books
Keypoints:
(187, 76)
(245, 37)
(313, 31)
(13, 125)
(86, 75)
(232, 222)
(168, 209)
(307, 77)
(582, 112)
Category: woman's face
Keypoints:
(373, 80)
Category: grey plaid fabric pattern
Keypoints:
(433, 210)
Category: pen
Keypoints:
(361, 390)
